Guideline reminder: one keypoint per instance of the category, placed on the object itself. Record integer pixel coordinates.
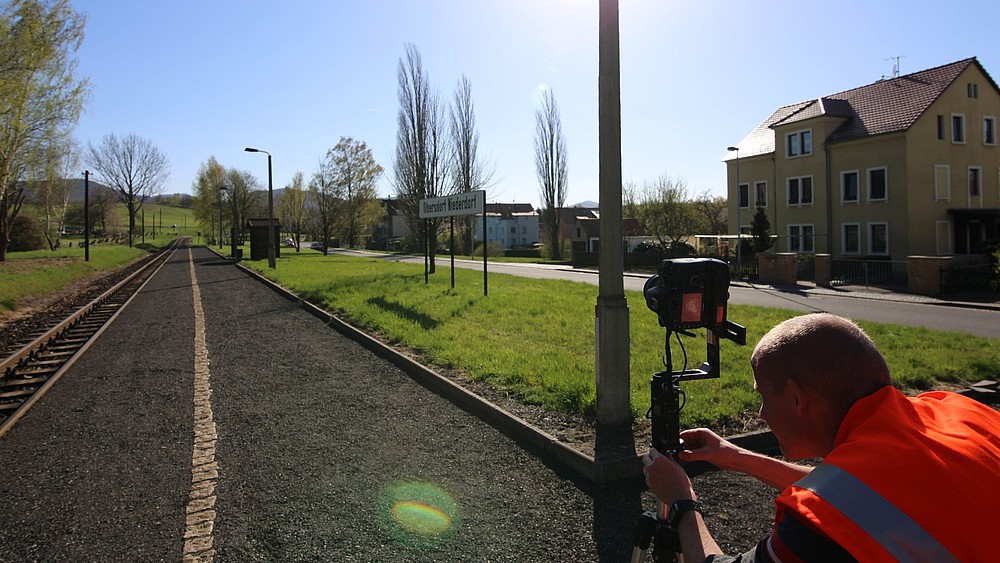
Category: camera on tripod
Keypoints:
(686, 294)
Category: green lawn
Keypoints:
(26, 275)
(535, 338)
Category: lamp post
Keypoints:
(86, 215)
(739, 203)
(270, 208)
(221, 189)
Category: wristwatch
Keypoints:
(679, 508)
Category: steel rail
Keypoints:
(27, 374)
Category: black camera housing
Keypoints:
(689, 293)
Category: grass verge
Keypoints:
(535, 338)
(25, 276)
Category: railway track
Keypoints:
(33, 369)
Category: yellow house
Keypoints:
(907, 166)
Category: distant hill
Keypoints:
(586, 204)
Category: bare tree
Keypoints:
(292, 208)
(324, 204)
(134, 167)
(468, 171)
(665, 211)
(551, 168)
(712, 214)
(40, 95)
(419, 168)
(244, 198)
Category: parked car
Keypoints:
(289, 243)
(317, 245)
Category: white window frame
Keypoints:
(800, 143)
(957, 132)
(978, 170)
(740, 200)
(797, 240)
(991, 128)
(798, 189)
(843, 187)
(942, 192)
(868, 183)
(757, 193)
(871, 238)
(843, 242)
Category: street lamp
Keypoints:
(221, 189)
(270, 208)
(739, 203)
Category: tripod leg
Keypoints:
(644, 531)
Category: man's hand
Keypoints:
(666, 478)
(701, 444)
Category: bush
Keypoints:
(492, 249)
(26, 234)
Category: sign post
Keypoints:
(466, 203)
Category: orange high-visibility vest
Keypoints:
(909, 479)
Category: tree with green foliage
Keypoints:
(41, 96)
(760, 232)
(292, 208)
(356, 177)
(207, 188)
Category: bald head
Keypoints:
(825, 354)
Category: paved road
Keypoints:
(212, 425)
(903, 309)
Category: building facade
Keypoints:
(902, 167)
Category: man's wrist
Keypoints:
(679, 508)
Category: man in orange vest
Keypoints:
(901, 478)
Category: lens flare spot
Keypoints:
(421, 518)
(418, 514)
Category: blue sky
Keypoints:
(208, 78)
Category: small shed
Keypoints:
(258, 238)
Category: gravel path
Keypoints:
(325, 452)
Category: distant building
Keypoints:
(509, 225)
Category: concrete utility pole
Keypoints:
(613, 372)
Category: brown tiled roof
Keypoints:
(886, 106)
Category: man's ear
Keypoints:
(799, 398)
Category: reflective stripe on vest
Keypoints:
(903, 538)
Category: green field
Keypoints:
(534, 339)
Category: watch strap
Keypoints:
(679, 508)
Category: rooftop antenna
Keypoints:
(895, 66)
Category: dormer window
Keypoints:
(798, 143)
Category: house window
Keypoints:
(942, 182)
(798, 143)
(760, 189)
(973, 90)
(800, 238)
(877, 184)
(957, 128)
(878, 238)
(940, 127)
(849, 187)
(851, 243)
(990, 130)
(744, 196)
(975, 180)
(800, 191)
